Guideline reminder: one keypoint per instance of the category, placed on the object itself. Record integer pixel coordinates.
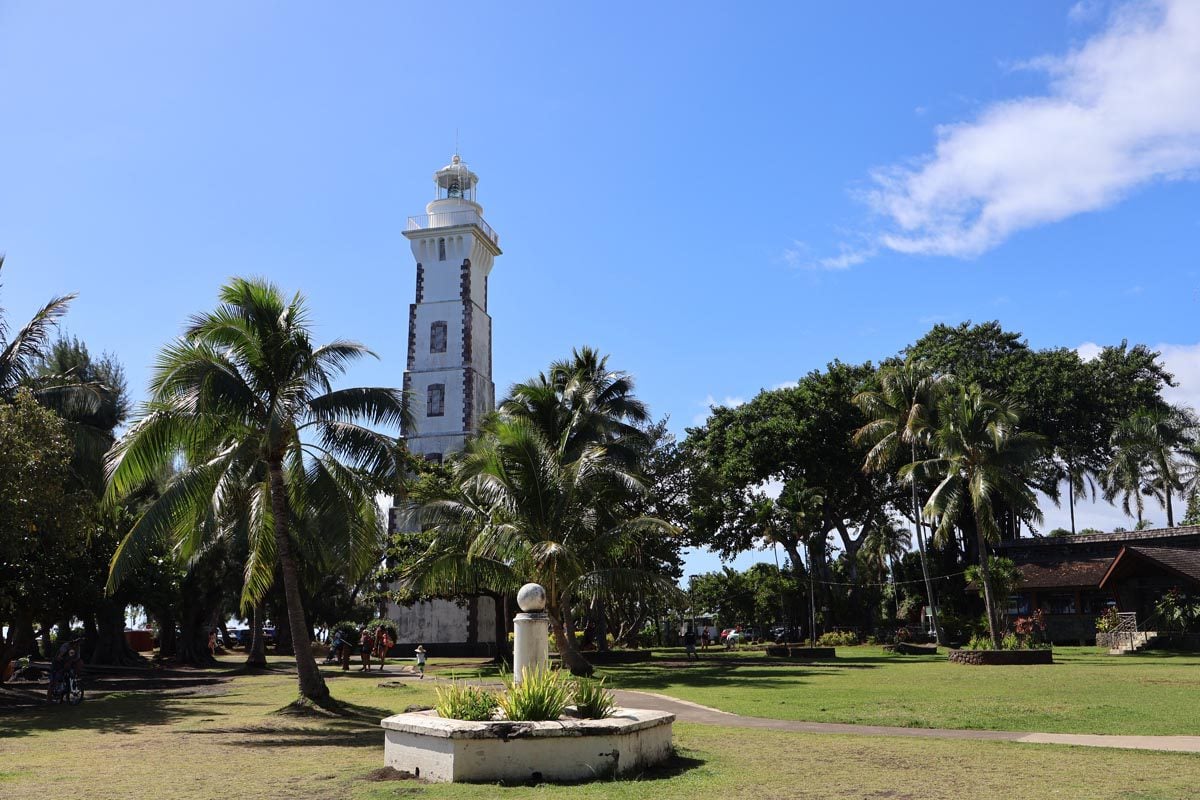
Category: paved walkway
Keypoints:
(692, 712)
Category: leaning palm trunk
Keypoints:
(933, 612)
(572, 659)
(312, 685)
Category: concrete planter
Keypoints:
(444, 750)
(1001, 657)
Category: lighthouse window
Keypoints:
(436, 402)
(437, 337)
(441, 249)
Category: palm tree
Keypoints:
(545, 493)
(904, 413)
(1146, 461)
(579, 403)
(245, 398)
(984, 463)
(519, 513)
(884, 544)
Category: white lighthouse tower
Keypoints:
(449, 381)
(449, 374)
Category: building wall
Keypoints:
(445, 621)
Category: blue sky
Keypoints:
(722, 197)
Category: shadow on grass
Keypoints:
(120, 712)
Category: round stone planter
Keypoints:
(1001, 657)
(444, 750)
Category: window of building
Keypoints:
(1060, 604)
(1097, 603)
(441, 249)
(1018, 605)
(434, 457)
(437, 337)
(435, 405)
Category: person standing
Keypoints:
(705, 637)
(689, 643)
(421, 660)
(366, 643)
(383, 644)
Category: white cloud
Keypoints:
(710, 402)
(800, 256)
(1120, 111)
(1182, 361)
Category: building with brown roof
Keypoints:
(1074, 579)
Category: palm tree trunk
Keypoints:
(312, 685)
(929, 596)
(985, 572)
(1071, 495)
(1170, 514)
(257, 657)
(572, 659)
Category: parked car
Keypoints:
(726, 632)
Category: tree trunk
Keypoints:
(111, 645)
(312, 685)
(167, 642)
(601, 618)
(1170, 515)
(572, 659)
(256, 656)
(986, 576)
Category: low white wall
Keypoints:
(440, 750)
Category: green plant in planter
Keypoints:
(466, 702)
(542, 694)
(592, 700)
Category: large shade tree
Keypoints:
(246, 397)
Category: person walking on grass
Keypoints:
(383, 644)
(689, 642)
(421, 660)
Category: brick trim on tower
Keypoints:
(468, 394)
(420, 283)
(412, 336)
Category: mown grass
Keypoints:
(1085, 691)
(230, 740)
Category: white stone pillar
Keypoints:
(531, 631)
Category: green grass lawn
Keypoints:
(229, 740)
(1086, 691)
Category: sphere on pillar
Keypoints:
(531, 632)
(531, 597)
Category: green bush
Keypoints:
(465, 702)
(592, 700)
(541, 695)
(838, 639)
(386, 624)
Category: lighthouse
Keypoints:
(449, 373)
(448, 380)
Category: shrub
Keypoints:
(592, 700)
(386, 624)
(1107, 621)
(980, 642)
(838, 639)
(541, 695)
(465, 702)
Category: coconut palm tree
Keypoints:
(984, 463)
(520, 513)
(245, 398)
(1146, 458)
(544, 494)
(883, 545)
(579, 403)
(903, 415)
